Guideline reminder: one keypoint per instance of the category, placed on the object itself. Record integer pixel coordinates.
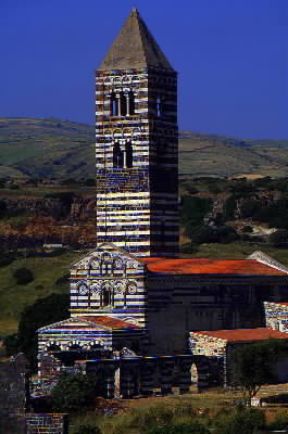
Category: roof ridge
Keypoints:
(139, 19)
(267, 260)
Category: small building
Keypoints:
(276, 315)
(216, 349)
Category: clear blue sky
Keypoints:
(231, 55)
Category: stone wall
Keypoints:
(46, 423)
(276, 315)
(180, 304)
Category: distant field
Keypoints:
(64, 149)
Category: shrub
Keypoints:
(249, 208)
(229, 208)
(87, 429)
(14, 187)
(241, 421)
(280, 422)
(208, 234)
(11, 344)
(194, 209)
(23, 276)
(6, 260)
(73, 393)
(90, 182)
(279, 237)
(148, 419)
(189, 428)
(247, 229)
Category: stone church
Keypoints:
(134, 301)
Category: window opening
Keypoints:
(129, 155)
(118, 157)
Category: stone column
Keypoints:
(127, 104)
(129, 377)
(166, 369)
(109, 380)
(147, 378)
(184, 375)
(127, 383)
(119, 104)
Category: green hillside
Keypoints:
(15, 297)
(64, 149)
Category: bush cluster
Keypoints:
(23, 276)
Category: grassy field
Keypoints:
(136, 416)
(14, 297)
(47, 270)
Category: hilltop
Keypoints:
(57, 148)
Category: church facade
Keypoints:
(134, 301)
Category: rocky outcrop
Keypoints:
(31, 221)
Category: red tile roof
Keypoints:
(80, 323)
(109, 322)
(282, 303)
(242, 267)
(245, 335)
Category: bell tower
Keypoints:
(137, 145)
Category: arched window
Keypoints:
(131, 100)
(123, 104)
(53, 348)
(113, 105)
(129, 155)
(118, 158)
(74, 347)
(106, 297)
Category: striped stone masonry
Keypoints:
(137, 153)
(46, 423)
(108, 282)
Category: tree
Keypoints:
(279, 237)
(211, 234)
(194, 209)
(73, 393)
(11, 343)
(229, 208)
(43, 312)
(253, 366)
(250, 207)
(23, 276)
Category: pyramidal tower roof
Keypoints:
(134, 48)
